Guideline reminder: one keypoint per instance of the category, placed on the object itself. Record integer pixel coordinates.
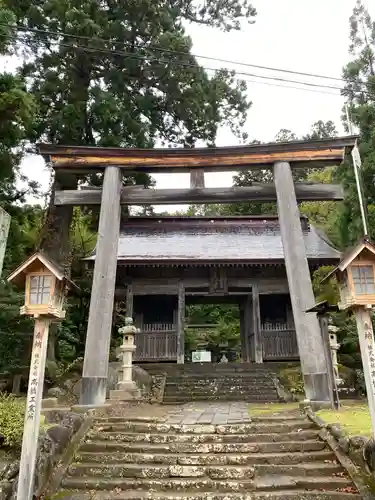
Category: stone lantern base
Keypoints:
(126, 391)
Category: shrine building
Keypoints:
(166, 263)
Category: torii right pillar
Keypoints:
(309, 339)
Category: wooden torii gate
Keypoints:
(281, 157)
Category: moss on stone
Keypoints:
(291, 378)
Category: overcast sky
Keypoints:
(310, 36)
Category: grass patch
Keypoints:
(271, 408)
(354, 418)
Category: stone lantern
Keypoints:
(335, 346)
(126, 387)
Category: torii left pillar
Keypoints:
(95, 365)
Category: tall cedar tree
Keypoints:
(359, 75)
(122, 74)
(17, 109)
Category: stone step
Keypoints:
(162, 428)
(209, 472)
(251, 389)
(282, 417)
(219, 397)
(243, 391)
(265, 419)
(206, 495)
(131, 420)
(222, 396)
(193, 448)
(213, 396)
(326, 456)
(221, 375)
(264, 483)
(227, 382)
(303, 435)
(224, 381)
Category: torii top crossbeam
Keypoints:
(315, 154)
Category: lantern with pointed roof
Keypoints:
(356, 276)
(45, 286)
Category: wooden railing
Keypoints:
(157, 327)
(155, 346)
(268, 326)
(279, 341)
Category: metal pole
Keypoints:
(357, 179)
(4, 231)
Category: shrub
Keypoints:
(291, 378)
(12, 414)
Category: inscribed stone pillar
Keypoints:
(310, 342)
(95, 366)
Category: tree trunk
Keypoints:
(55, 240)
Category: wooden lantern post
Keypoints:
(367, 346)
(356, 280)
(45, 289)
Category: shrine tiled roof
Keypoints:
(214, 239)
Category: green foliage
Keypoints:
(291, 378)
(354, 418)
(89, 94)
(327, 290)
(15, 331)
(319, 129)
(12, 412)
(7, 18)
(58, 372)
(225, 333)
(359, 76)
(323, 214)
(17, 109)
(110, 79)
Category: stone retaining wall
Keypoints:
(55, 441)
(355, 453)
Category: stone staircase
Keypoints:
(224, 382)
(280, 458)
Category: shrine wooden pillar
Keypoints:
(257, 342)
(243, 338)
(181, 324)
(248, 328)
(309, 339)
(129, 301)
(98, 338)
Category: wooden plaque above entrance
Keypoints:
(316, 153)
